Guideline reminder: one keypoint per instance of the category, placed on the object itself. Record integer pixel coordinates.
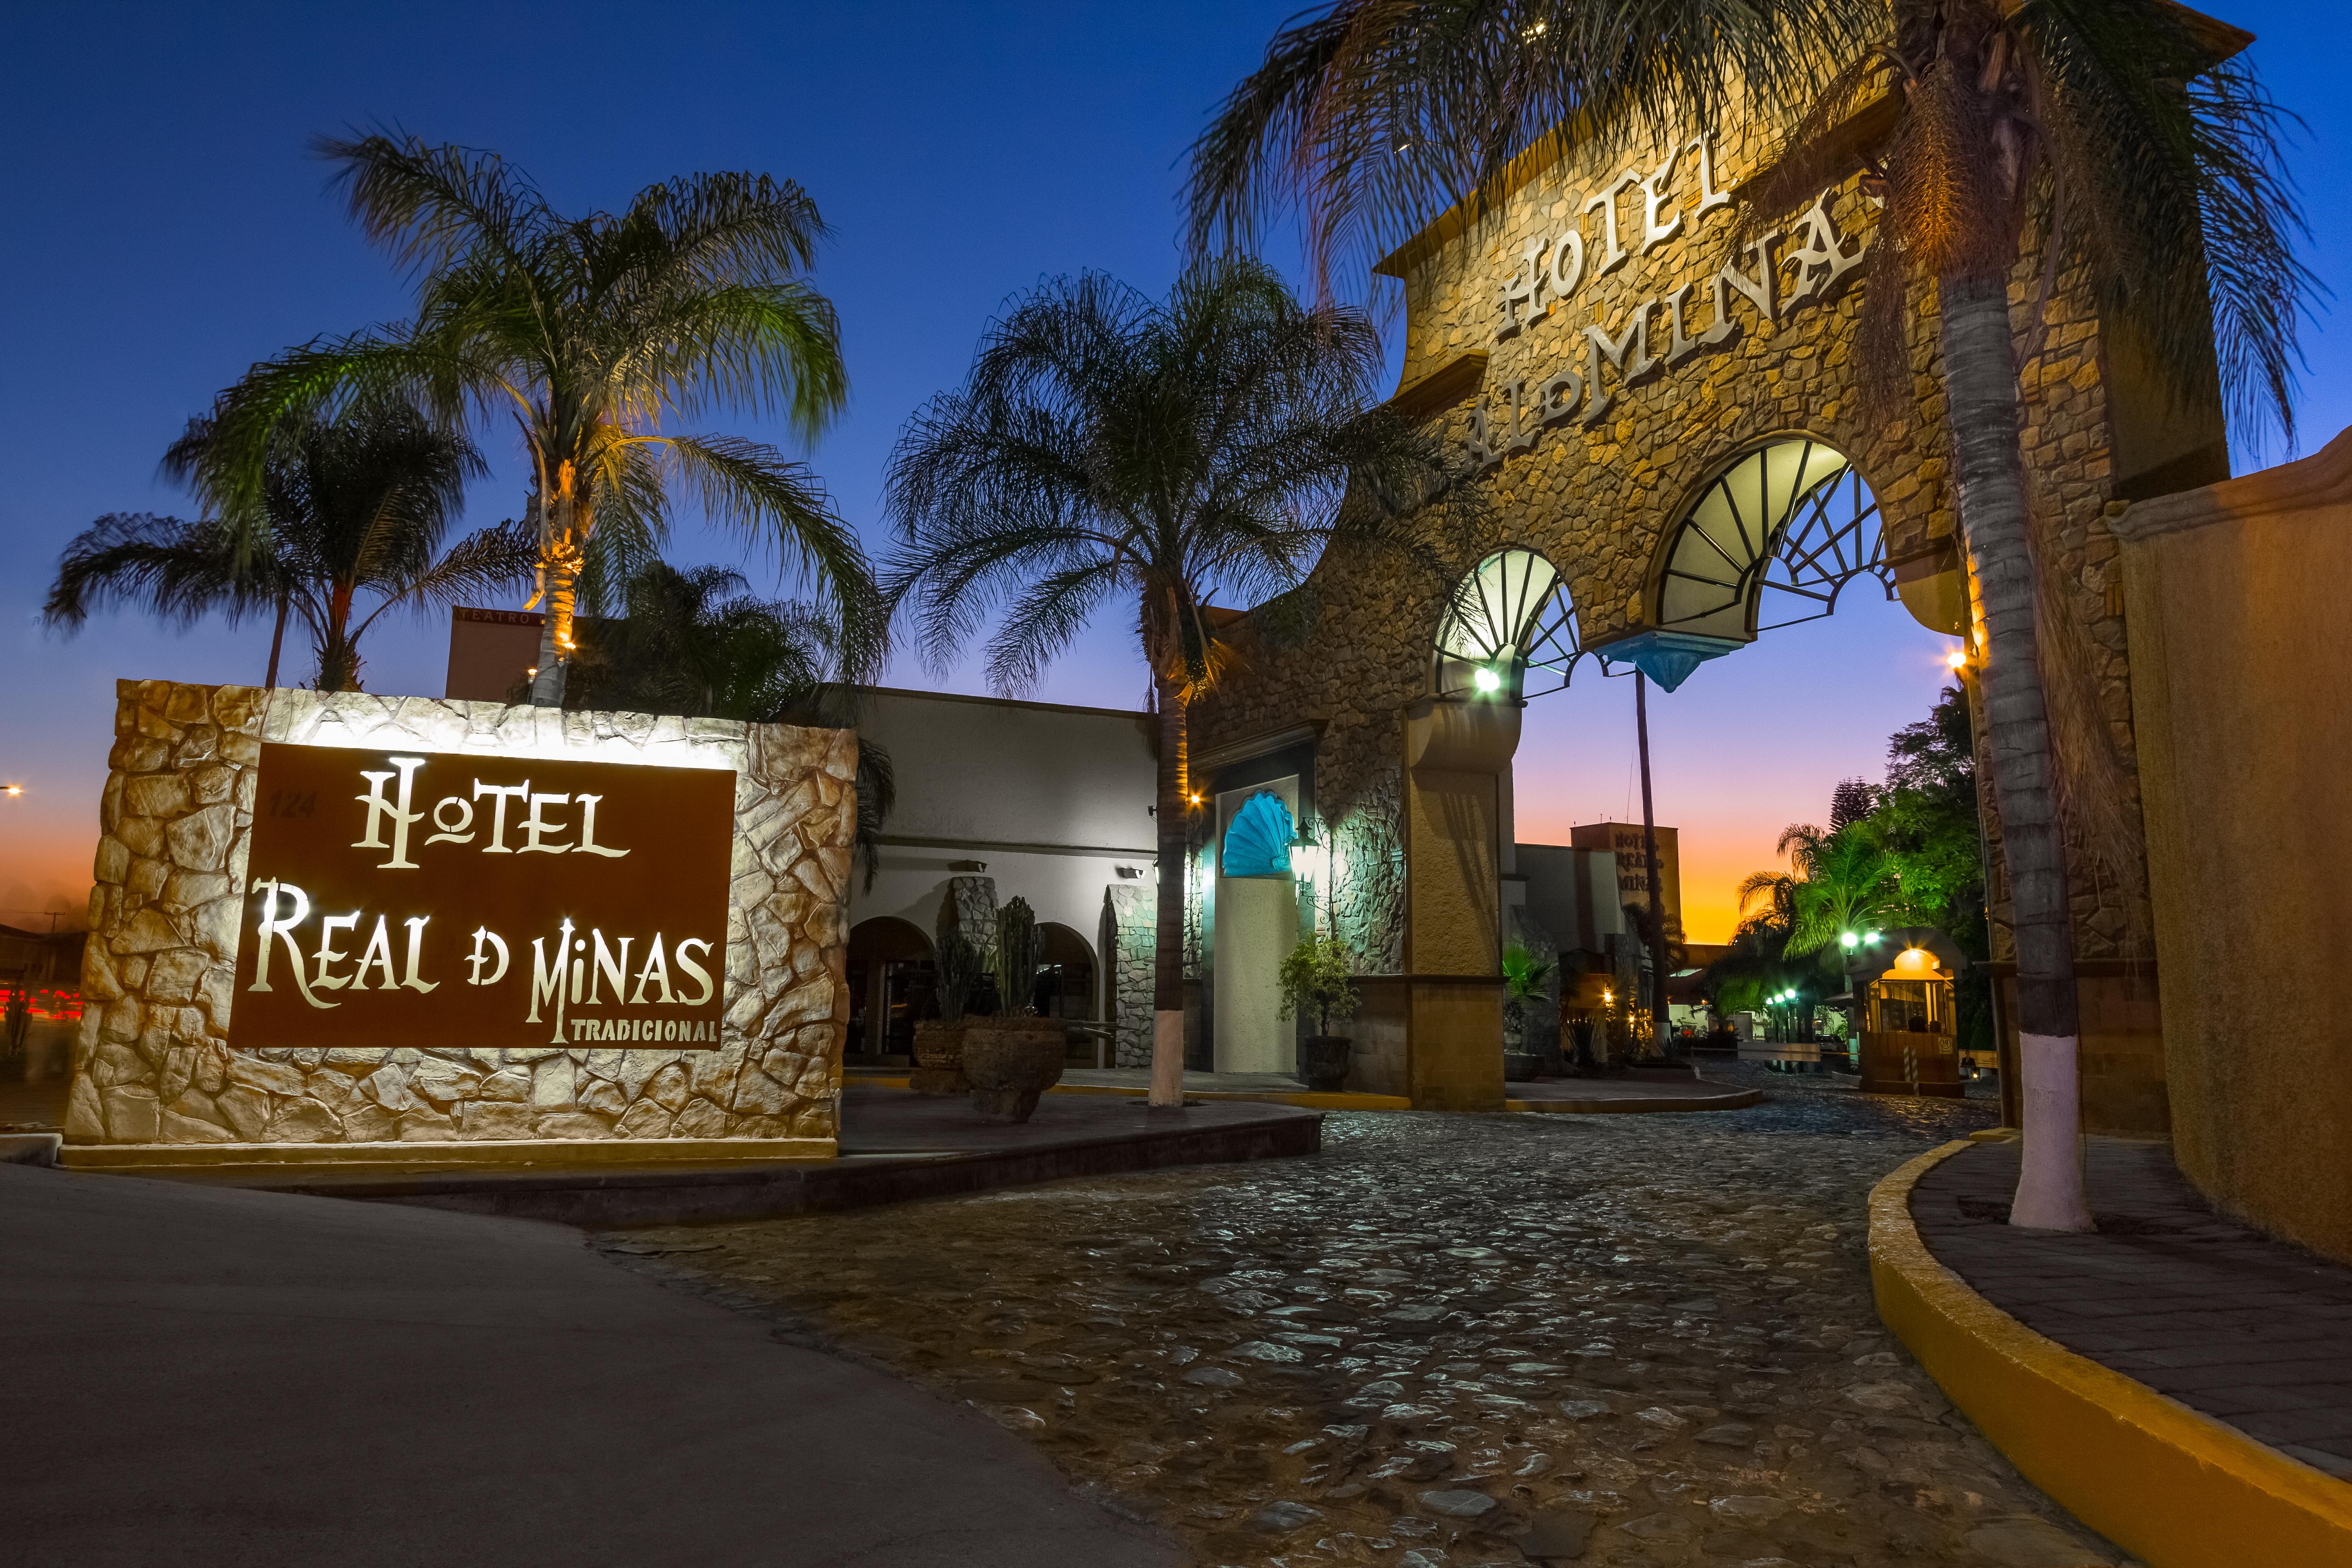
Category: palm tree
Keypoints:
(1850, 885)
(1108, 449)
(2117, 134)
(696, 641)
(593, 335)
(352, 509)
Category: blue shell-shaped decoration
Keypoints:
(1258, 844)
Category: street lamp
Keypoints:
(1487, 681)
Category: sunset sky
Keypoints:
(167, 229)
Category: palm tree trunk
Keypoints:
(339, 656)
(1658, 1009)
(1168, 941)
(276, 640)
(547, 680)
(1981, 382)
(559, 580)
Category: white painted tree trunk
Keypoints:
(1981, 382)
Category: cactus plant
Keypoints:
(957, 976)
(1016, 956)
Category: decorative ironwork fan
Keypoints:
(1510, 630)
(1772, 542)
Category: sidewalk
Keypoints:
(2251, 1332)
(2180, 1383)
(208, 1376)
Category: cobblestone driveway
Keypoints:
(1448, 1340)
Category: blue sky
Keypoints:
(168, 229)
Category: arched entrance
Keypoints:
(1687, 363)
(890, 978)
(1772, 536)
(1066, 973)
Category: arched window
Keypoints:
(1510, 630)
(1771, 541)
(1257, 841)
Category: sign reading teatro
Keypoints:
(448, 899)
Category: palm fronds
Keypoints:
(355, 506)
(1369, 118)
(1176, 454)
(600, 338)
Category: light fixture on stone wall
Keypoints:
(1307, 859)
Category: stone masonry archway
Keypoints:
(1596, 357)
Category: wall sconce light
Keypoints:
(1307, 856)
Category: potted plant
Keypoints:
(938, 1042)
(1524, 978)
(1316, 983)
(1014, 1057)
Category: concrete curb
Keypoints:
(1305, 1098)
(1309, 1099)
(2175, 1488)
(501, 1153)
(30, 1148)
(1730, 1099)
(600, 1196)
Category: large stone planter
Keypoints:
(1009, 1062)
(1323, 1062)
(1521, 1067)
(939, 1058)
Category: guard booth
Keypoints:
(1910, 1035)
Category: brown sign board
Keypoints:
(1625, 839)
(490, 652)
(453, 899)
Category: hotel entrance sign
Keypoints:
(448, 899)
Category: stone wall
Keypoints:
(1367, 879)
(969, 910)
(1134, 941)
(157, 1063)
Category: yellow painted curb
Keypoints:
(1730, 1099)
(2175, 1489)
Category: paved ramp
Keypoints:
(197, 1375)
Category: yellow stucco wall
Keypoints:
(2238, 600)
